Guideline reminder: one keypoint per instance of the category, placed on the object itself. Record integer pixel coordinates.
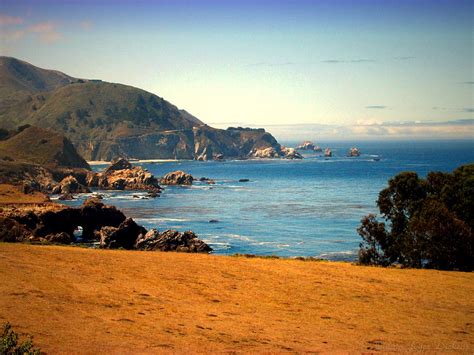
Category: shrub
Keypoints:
(428, 222)
(9, 343)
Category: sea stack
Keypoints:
(354, 152)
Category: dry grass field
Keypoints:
(10, 194)
(90, 301)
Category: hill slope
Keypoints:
(19, 80)
(40, 146)
(105, 120)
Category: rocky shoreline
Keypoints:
(94, 221)
(28, 215)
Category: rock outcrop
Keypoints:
(69, 185)
(12, 231)
(94, 215)
(55, 223)
(177, 178)
(308, 145)
(31, 177)
(274, 153)
(124, 236)
(291, 153)
(172, 240)
(207, 180)
(265, 153)
(121, 175)
(354, 152)
(60, 238)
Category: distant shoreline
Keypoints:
(105, 162)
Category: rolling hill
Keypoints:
(104, 120)
(43, 147)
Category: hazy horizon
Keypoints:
(355, 69)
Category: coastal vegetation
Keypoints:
(9, 343)
(429, 223)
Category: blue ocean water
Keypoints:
(308, 207)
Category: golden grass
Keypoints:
(91, 301)
(11, 194)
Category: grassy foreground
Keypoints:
(91, 301)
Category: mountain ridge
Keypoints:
(105, 120)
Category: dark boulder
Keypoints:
(66, 197)
(60, 238)
(123, 236)
(145, 241)
(172, 240)
(12, 231)
(53, 222)
(94, 215)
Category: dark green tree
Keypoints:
(428, 222)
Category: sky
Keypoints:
(336, 63)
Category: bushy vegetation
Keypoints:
(9, 343)
(427, 222)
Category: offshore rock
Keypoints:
(354, 152)
(306, 145)
(177, 178)
(291, 153)
(66, 197)
(265, 153)
(121, 175)
(274, 153)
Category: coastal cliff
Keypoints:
(107, 120)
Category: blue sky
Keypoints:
(263, 62)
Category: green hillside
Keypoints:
(43, 147)
(104, 120)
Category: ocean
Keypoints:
(309, 207)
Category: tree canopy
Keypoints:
(426, 222)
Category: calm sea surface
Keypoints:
(288, 208)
